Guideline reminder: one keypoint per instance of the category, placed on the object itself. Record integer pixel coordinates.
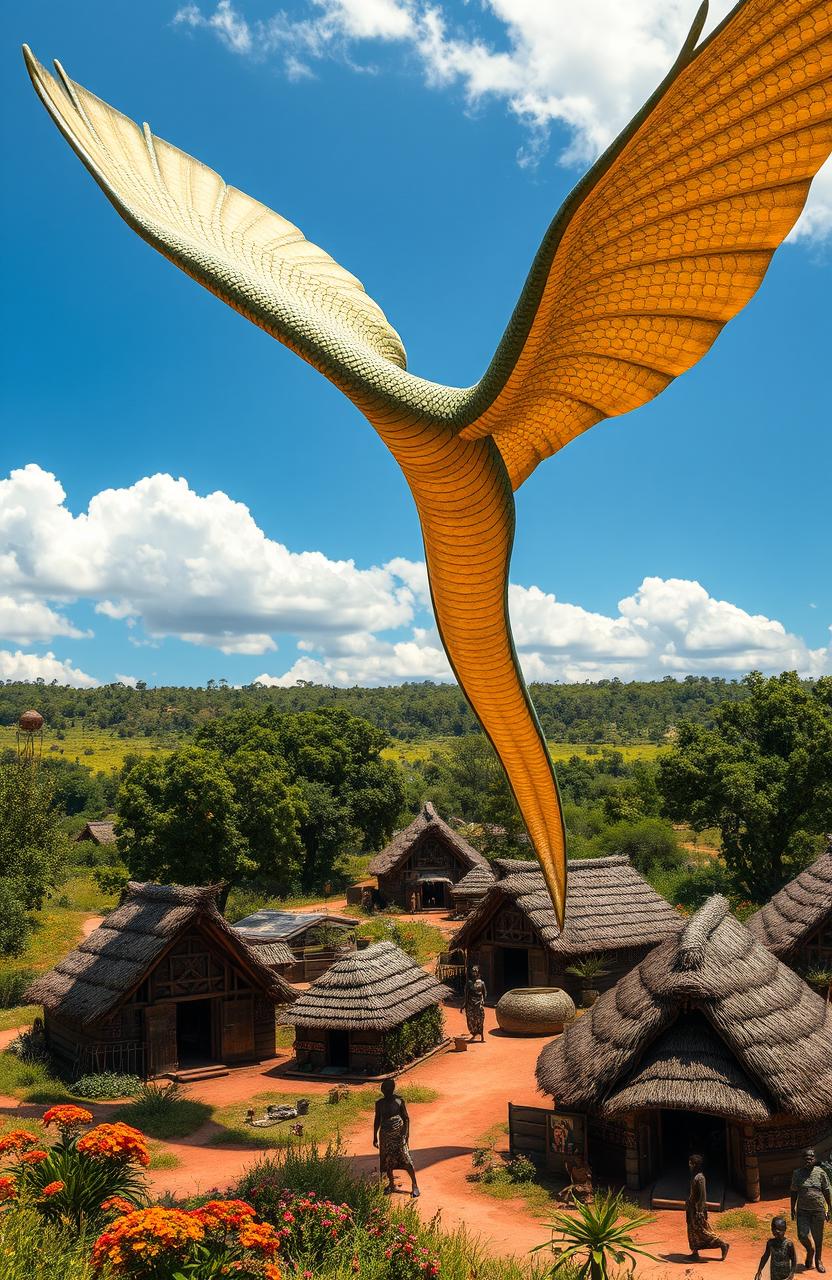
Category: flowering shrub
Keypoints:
(220, 1238)
(308, 1227)
(80, 1174)
(8, 1188)
(406, 1258)
(115, 1142)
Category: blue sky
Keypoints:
(426, 148)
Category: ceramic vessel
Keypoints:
(535, 1011)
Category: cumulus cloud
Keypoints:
(26, 620)
(586, 65)
(184, 565)
(43, 666)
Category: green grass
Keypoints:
(31, 1249)
(418, 1093)
(322, 1123)
(30, 1081)
(420, 940)
(744, 1222)
(164, 1113)
(411, 752)
(100, 750)
(162, 1159)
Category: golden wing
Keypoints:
(242, 251)
(670, 234)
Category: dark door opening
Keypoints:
(434, 895)
(194, 1040)
(338, 1048)
(512, 968)
(687, 1133)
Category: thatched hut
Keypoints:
(796, 925)
(611, 911)
(424, 861)
(371, 1012)
(100, 833)
(301, 945)
(162, 984)
(710, 1044)
(471, 890)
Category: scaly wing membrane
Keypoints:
(676, 234)
(246, 254)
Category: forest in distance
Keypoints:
(607, 711)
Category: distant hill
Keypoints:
(607, 711)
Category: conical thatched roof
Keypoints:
(107, 967)
(474, 884)
(516, 867)
(798, 909)
(767, 1049)
(374, 989)
(427, 822)
(609, 907)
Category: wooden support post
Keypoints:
(752, 1164)
(631, 1161)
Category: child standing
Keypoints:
(779, 1253)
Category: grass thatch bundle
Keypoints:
(798, 910)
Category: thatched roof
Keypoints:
(516, 867)
(106, 967)
(609, 906)
(767, 1050)
(275, 954)
(268, 925)
(98, 832)
(375, 989)
(474, 884)
(427, 822)
(797, 910)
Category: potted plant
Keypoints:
(820, 977)
(589, 970)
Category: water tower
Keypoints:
(30, 737)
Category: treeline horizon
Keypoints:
(608, 711)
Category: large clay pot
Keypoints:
(535, 1011)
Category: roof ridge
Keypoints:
(695, 936)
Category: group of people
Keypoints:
(811, 1206)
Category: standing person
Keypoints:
(779, 1254)
(391, 1134)
(414, 903)
(700, 1235)
(475, 997)
(811, 1193)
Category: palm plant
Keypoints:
(821, 977)
(594, 1238)
(589, 969)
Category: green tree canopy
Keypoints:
(32, 850)
(762, 774)
(196, 817)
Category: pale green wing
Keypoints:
(252, 258)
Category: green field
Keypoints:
(410, 752)
(97, 748)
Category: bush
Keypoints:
(414, 1037)
(29, 1046)
(36, 1250)
(12, 986)
(419, 940)
(325, 1171)
(163, 1111)
(15, 925)
(650, 843)
(107, 1084)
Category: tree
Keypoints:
(348, 796)
(195, 816)
(762, 774)
(33, 851)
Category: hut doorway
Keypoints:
(512, 968)
(338, 1049)
(681, 1135)
(194, 1032)
(433, 894)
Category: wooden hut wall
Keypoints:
(815, 951)
(114, 1044)
(778, 1147)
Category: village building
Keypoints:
(163, 984)
(370, 1013)
(99, 833)
(710, 1045)
(611, 912)
(470, 890)
(422, 863)
(796, 925)
(301, 945)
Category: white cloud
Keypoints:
(25, 620)
(43, 666)
(130, 681)
(185, 565)
(587, 65)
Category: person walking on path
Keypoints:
(475, 997)
(700, 1235)
(780, 1253)
(391, 1134)
(811, 1193)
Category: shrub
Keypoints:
(29, 1046)
(12, 986)
(407, 1257)
(326, 1172)
(221, 1237)
(163, 1111)
(309, 1227)
(107, 1084)
(414, 1037)
(33, 1249)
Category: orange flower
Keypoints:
(52, 1188)
(18, 1140)
(34, 1157)
(144, 1236)
(117, 1204)
(223, 1213)
(272, 1272)
(115, 1142)
(260, 1236)
(67, 1116)
(8, 1188)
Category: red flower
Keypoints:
(34, 1157)
(18, 1140)
(52, 1188)
(115, 1142)
(8, 1188)
(67, 1116)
